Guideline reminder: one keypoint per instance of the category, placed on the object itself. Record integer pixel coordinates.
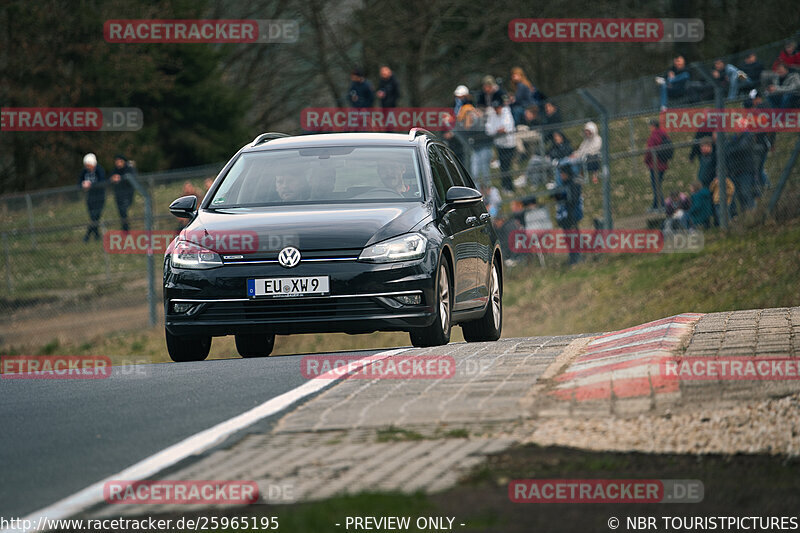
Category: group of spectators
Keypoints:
(362, 94)
(780, 84)
(94, 181)
(745, 180)
(509, 124)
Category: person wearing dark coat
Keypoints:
(741, 159)
(655, 163)
(361, 93)
(569, 206)
(93, 181)
(560, 147)
(123, 188)
(388, 88)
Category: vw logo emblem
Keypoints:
(289, 257)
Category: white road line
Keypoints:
(93, 494)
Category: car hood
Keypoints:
(306, 227)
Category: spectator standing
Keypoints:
(525, 94)
(707, 169)
(361, 94)
(784, 91)
(93, 181)
(123, 188)
(656, 162)
(500, 126)
(490, 92)
(388, 88)
(552, 116)
(701, 209)
(472, 122)
(741, 166)
(765, 140)
(698, 139)
(569, 206)
(461, 96)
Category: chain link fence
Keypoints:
(54, 282)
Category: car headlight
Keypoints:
(189, 255)
(403, 248)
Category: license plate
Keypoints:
(288, 287)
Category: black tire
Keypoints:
(438, 333)
(185, 348)
(490, 325)
(258, 345)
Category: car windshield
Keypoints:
(321, 175)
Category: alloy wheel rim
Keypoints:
(444, 300)
(495, 292)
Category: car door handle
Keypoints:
(472, 221)
(485, 217)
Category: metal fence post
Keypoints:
(148, 226)
(9, 285)
(773, 202)
(29, 205)
(608, 222)
(722, 160)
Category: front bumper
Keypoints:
(362, 299)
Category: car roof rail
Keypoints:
(266, 137)
(415, 132)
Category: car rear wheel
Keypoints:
(438, 333)
(185, 348)
(258, 345)
(490, 325)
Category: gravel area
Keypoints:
(768, 426)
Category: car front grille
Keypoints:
(291, 309)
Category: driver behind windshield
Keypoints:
(391, 174)
(292, 188)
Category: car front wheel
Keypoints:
(255, 345)
(185, 348)
(490, 325)
(438, 333)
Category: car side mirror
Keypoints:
(461, 196)
(184, 207)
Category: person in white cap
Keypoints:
(461, 93)
(93, 181)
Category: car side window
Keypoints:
(464, 174)
(441, 178)
(452, 168)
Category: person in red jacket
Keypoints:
(790, 56)
(656, 162)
